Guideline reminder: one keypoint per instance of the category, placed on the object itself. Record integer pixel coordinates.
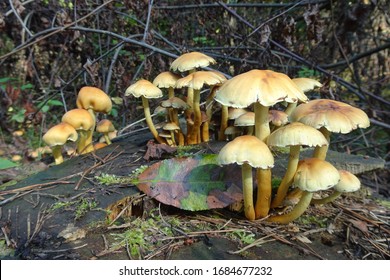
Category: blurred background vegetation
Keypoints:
(49, 49)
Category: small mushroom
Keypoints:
(105, 126)
(57, 136)
(83, 122)
(348, 183)
(146, 90)
(330, 116)
(247, 151)
(312, 175)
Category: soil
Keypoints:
(64, 212)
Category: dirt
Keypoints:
(64, 212)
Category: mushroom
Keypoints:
(83, 122)
(105, 126)
(348, 183)
(57, 136)
(146, 90)
(293, 135)
(246, 120)
(95, 101)
(277, 118)
(196, 81)
(167, 80)
(329, 116)
(248, 151)
(190, 62)
(312, 175)
(263, 88)
(171, 128)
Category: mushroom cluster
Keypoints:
(256, 112)
(78, 125)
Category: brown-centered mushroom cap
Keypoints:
(264, 86)
(277, 118)
(199, 79)
(105, 126)
(166, 80)
(348, 182)
(247, 119)
(306, 84)
(190, 61)
(174, 102)
(60, 134)
(333, 115)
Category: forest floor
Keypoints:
(66, 212)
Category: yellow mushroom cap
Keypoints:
(174, 102)
(348, 182)
(171, 126)
(198, 79)
(296, 133)
(306, 84)
(314, 174)
(234, 113)
(80, 119)
(95, 99)
(335, 116)
(190, 61)
(59, 134)
(166, 80)
(264, 86)
(246, 149)
(144, 88)
(105, 126)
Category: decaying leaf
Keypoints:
(156, 151)
(193, 184)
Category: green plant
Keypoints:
(83, 206)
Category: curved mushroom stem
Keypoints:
(224, 122)
(296, 212)
(288, 176)
(290, 108)
(205, 132)
(335, 194)
(262, 130)
(195, 132)
(247, 189)
(264, 192)
(57, 154)
(320, 152)
(149, 121)
(85, 137)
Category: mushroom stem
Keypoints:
(224, 122)
(57, 154)
(107, 138)
(84, 138)
(288, 176)
(320, 152)
(195, 132)
(149, 121)
(205, 132)
(296, 212)
(262, 130)
(290, 108)
(264, 192)
(331, 197)
(87, 145)
(247, 189)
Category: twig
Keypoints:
(35, 186)
(19, 18)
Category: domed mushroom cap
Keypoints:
(198, 79)
(105, 126)
(171, 126)
(60, 134)
(246, 149)
(190, 61)
(234, 113)
(80, 119)
(144, 88)
(264, 86)
(166, 80)
(335, 116)
(306, 84)
(314, 174)
(247, 119)
(296, 133)
(95, 99)
(348, 182)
